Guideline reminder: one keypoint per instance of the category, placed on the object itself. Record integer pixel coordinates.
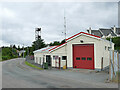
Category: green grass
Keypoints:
(119, 77)
(31, 65)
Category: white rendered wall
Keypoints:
(99, 52)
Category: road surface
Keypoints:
(17, 75)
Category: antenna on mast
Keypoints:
(65, 37)
(65, 25)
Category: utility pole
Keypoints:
(27, 51)
(23, 50)
(110, 66)
(12, 49)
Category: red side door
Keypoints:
(83, 56)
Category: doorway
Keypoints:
(48, 60)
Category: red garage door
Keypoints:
(83, 56)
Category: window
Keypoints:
(109, 48)
(40, 60)
(77, 58)
(55, 57)
(89, 58)
(64, 57)
(83, 58)
(105, 47)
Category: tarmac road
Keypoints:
(17, 75)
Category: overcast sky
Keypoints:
(19, 20)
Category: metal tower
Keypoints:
(37, 37)
(37, 33)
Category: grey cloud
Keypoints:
(49, 16)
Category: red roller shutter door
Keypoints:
(83, 56)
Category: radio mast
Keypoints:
(65, 28)
(65, 37)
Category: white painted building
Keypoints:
(82, 50)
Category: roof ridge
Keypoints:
(105, 28)
(47, 48)
(83, 33)
(57, 46)
(72, 37)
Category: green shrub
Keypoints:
(8, 53)
(116, 41)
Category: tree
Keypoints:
(63, 41)
(18, 47)
(8, 53)
(38, 44)
(116, 41)
(14, 46)
(55, 43)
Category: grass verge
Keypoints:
(31, 65)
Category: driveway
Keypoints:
(16, 74)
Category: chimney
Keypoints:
(114, 29)
(89, 30)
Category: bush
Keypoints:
(8, 53)
(4, 57)
(116, 40)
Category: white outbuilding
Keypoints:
(82, 50)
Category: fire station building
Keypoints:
(82, 51)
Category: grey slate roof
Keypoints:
(106, 32)
(96, 32)
(118, 31)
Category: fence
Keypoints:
(114, 64)
(30, 57)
